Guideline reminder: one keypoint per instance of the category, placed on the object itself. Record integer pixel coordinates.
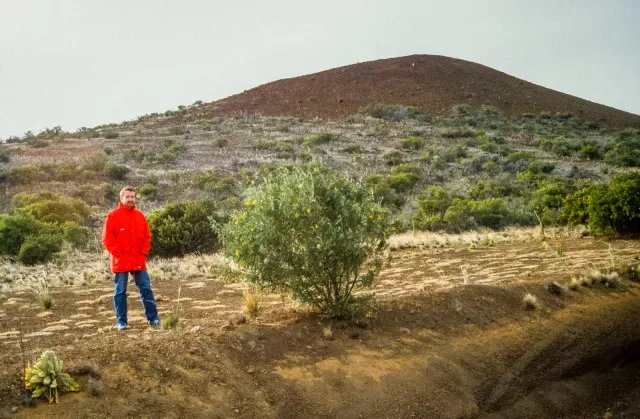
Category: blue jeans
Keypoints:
(143, 283)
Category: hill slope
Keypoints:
(434, 83)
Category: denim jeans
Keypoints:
(143, 283)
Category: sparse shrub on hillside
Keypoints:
(110, 135)
(404, 177)
(284, 149)
(353, 148)
(117, 172)
(39, 249)
(26, 174)
(394, 113)
(50, 208)
(220, 142)
(4, 157)
(393, 158)
(177, 130)
(148, 191)
(458, 133)
(432, 205)
(320, 138)
(625, 150)
(412, 143)
(334, 245)
(183, 228)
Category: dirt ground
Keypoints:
(439, 345)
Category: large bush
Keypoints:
(607, 209)
(50, 208)
(183, 228)
(14, 229)
(311, 232)
(39, 249)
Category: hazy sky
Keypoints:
(84, 63)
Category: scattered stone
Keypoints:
(14, 409)
(195, 329)
(227, 327)
(251, 370)
(114, 386)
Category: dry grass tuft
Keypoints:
(252, 300)
(530, 301)
(39, 288)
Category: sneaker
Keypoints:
(154, 323)
(121, 326)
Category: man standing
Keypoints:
(126, 237)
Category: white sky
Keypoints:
(88, 62)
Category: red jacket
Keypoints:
(127, 237)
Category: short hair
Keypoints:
(127, 189)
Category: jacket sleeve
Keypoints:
(146, 237)
(109, 239)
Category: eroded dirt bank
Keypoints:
(462, 351)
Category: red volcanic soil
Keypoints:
(433, 83)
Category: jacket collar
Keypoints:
(124, 207)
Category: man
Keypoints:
(126, 237)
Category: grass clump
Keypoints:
(530, 301)
(252, 300)
(412, 143)
(39, 288)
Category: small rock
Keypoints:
(240, 319)
(195, 329)
(607, 415)
(251, 370)
(227, 327)
(166, 369)
(14, 409)
(114, 386)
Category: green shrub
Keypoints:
(467, 214)
(404, 177)
(590, 152)
(412, 143)
(49, 208)
(4, 157)
(117, 172)
(393, 158)
(353, 148)
(432, 205)
(14, 229)
(77, 236)
(333, 247)
(110, 135)
(183, 228)
(176, 131)
(148, 190)
(458, 133)
(26, 174)
(320, 138)
(625, 151)
(39, 249)
(608, 209)
(220, 142)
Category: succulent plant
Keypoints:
(46, 378)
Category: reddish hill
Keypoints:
(434, 83)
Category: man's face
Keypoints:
(129, 198)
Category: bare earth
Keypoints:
(436, 348)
